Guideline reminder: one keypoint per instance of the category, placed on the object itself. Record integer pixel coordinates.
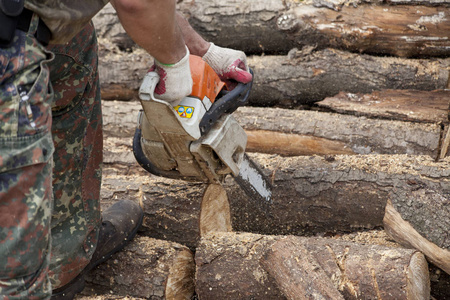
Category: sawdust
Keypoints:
(394, 164)
(429, 68)
(370, 237)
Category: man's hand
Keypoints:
(228, 63)
(175, 80)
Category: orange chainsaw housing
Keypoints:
(206, 82)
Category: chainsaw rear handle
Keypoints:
(226, 104)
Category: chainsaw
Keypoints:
(198, 140)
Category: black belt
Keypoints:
(43, 33)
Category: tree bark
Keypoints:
(321, 74)
(276, 26)
(372, 267)
(404, 105)
(294, 132)
(146, 268)
(234, 266)
(297, 273)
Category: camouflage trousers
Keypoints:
(50, 162)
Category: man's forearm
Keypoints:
(196, 44)
(153, 25)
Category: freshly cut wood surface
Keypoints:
(378, 271)
(445, 142)
(407, 105)
(215, 210)
(146, 268)
(288, 144)
(234, 266)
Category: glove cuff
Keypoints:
(175, 80)
(213, 57)
(180, 64)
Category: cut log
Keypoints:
(339, 193)
(405, 234)
(233, 266)
(311, 195)
(406, 105)
(297, 273)
(417, 30)
(374, 267)
(294, 132)
(325, 73)
(276, 26)
(326, 133)
(371, 28)
(296, 79)
(174, 210)
(146, 268)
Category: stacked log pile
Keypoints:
(349, 119)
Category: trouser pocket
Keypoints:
(26, 151)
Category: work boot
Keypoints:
(120, 222)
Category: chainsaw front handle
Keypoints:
(226, 104)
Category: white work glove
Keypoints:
(228, 63)
(175, 80)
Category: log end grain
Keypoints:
(180, 284)
(215, 210)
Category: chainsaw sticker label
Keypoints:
(184, 111)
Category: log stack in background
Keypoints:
(349, 118)
(322, 51)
